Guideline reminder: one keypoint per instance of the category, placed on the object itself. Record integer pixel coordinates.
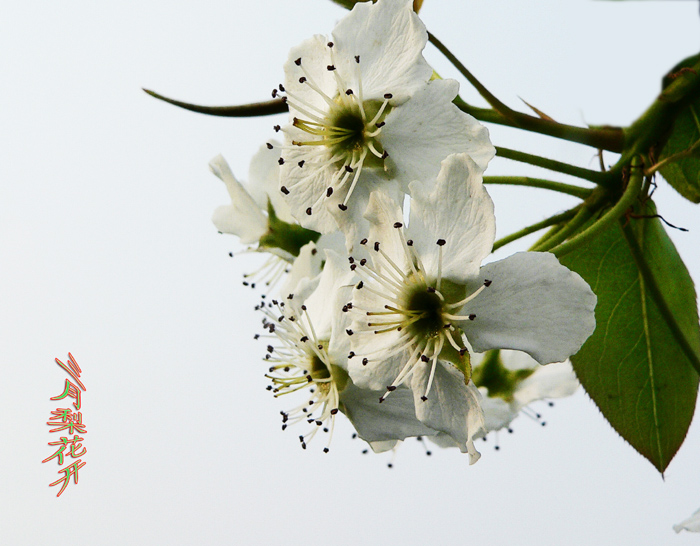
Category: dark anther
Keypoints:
(325, 450)
(330, 68)
(360, 285)
(284, 190)
(381, 124)
(353, 267)
(277, 128)
(304, 339)
(349, 332)
(357, 59)
(349, 92)
(363, 261)
(302, 79)
(351, 259)
(385, 154)
(398, 224)
(269, 146)
(365, 361)
(424, 398)
(441, 242)
(388, 95)
(308, 211)
(391, 388)
(303, 307)
(282, 86)
(431, 290)
(472, 317)
(301, 163)
(342, 207)
(270, 349)
(351, 354)
(314, 251)
(274, 93)
(329, 192)
(298, 62)
(334, 411)
(230, 254)
(409, 242)
(349, 169)
(280, 161)
(363, 242)
(330, 44)
(462, 352)
(424, 358)
(376, 246)
(487, 283)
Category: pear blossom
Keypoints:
(689, 524)
(365, 114)
(511, 380)
(308, 352)
(258, 215)
(424, 300)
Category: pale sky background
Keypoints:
(108, 252)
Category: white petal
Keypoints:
(264, 181)
(422, 132)
(315, 57)
(242, 217)
(498, 413)
(306, 266)
(534, 304)
(307, 187)
(690, 524)
(452, 407)
(324, 305)
(389, 38)
(556, 380)
(386, 445)
(393, 419)
(457, 210)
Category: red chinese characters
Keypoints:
(71, 423)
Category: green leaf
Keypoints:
(632, 366)
(683, 172)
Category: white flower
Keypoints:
(364, 114)
(690, 524)
(308, 352)
(424, 298)
(258, 213)
(510, 380)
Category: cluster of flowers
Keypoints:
(374, 211)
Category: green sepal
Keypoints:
(288, 237)
(499, 380)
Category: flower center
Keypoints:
(345, 134)
(421, 311)
(300, 362)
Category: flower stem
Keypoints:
(583, 215)
(552, 220)
(600, 178)
(569, 189)
(634, 186)
(490, 98)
